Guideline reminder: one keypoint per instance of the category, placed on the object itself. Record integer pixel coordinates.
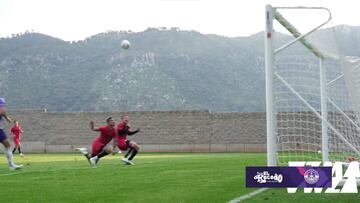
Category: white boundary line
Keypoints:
(19, 171)
(247, 196)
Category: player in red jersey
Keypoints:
(124, 144)
(16, 131)
(107, 133)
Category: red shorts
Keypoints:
(97, 147)
(123, 145)
(16, 141)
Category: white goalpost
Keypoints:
(312, 93)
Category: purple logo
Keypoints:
(284, 177)
(311, 176)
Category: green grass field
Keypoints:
(170, 177)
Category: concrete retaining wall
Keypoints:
(161, 131)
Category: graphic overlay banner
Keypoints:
(283, 177)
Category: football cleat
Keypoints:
(93, 161)
(82, 150)
(125, 160)
(131, 163)
(15, 167)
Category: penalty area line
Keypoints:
(248, 195)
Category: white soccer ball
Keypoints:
(125, 44)
(319, 152)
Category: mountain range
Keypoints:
(165, 69)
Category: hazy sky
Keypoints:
(78, 19)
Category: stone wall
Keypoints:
(161, 131)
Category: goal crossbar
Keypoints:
(298, 36)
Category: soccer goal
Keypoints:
(312, 92)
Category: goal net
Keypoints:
(313, 92)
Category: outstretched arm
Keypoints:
(126, 131)
(4, 114)
(92, 126)
(134, 132)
